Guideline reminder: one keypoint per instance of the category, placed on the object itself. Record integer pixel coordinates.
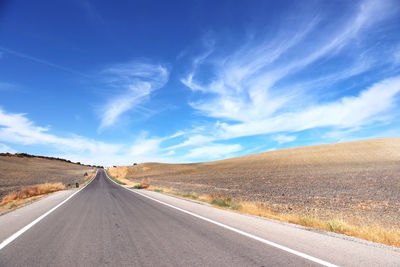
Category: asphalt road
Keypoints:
(107, 225)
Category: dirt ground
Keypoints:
(356, 180)
(16, 172)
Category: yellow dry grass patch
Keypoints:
(145, 183)
(337, 223)
(348, 226)
(119, 173)
(31, 191)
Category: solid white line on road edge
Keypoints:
(27, 227)
(262, 240)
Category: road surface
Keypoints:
(107, 225)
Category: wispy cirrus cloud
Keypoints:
(135, 82)
(5, 50)
(4, 86)
(272, 86)
(371, 105)
(321, 70)
(245, 85)
(194, 140)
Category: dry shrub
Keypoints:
(145, 183)
(30, 191)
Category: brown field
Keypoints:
(19, 172)
(357, 183)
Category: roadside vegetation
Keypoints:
(118, 175)
(29, 194)
(144, 184)
(31, 191)
(84, 181)
(375, 233)
(115, 179)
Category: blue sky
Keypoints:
(120, 82)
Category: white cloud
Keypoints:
(256, 89)
(347, 112)
(5, 149)
(281, 139)
(245, 85)
(253, 91)
(213, 151)
(145, 146)
(137, 81)
(194, 140)
(18, 129)
(177, 134)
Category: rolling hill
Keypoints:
(357, 179)
(19, 170)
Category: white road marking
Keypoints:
(262, 240)
(27, 227)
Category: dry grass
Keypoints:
(357, 228)
(31, 191)
(18, 172)
(118, 174)
(29, 194)
(18, 203)
(145, 183)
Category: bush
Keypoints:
(225, 202)
(143, 184)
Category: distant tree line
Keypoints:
(26, 155)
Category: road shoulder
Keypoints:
(13, 221)
(331, 247)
